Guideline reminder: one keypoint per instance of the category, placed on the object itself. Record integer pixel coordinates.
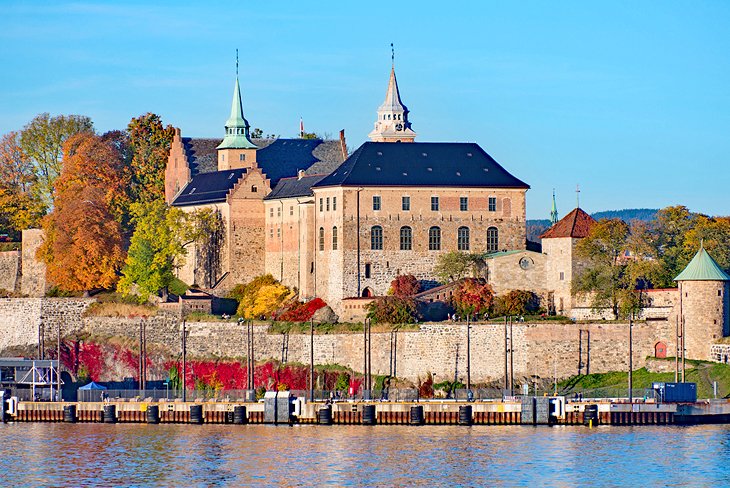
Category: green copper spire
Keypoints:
(702, 268)
(554, 212)
(237, 127)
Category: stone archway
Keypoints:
(367, 293)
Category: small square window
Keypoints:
(242, 157)
(376, 202)
(492, 204)
(435, 204)
(406, 203)
(463, 204)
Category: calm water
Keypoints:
(187, 455)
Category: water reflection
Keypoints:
(219, 455)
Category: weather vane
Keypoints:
(236, 61)
(577, 196)
(392, 54)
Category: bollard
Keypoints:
(110, 414)
(325, 415)
(153, 414)
(239, 415)
(368, 415)
(417, 415)
(465, 417)
(69, 414)
(196, 414)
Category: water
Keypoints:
(226, 455)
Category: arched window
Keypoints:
(321, 238)
(492, 239)
(462, 239)
(406, 238)
(376, 238)
(334, 238)
(434, 239)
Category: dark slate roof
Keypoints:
(209, 187)
(294, 187)
(456, 164)
(278, 158)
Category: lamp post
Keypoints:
(311, 360)
(631, 358)
(468, 353)
(184, 362)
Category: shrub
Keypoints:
(392, 310)
(404, 286)
(517, 302)
(261, 297)
(301, 312)
(473, 296)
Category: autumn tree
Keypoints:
(19, 206)
(42, 140)
(84, 247)
(517, 302)
(150, 144)
(473, 296)
(404, 286)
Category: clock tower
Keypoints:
(392, 124)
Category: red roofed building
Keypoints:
(558, 244)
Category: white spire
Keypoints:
(392, 124)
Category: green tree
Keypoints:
(42, 140)
(19, 206)
(610, 275)
(149, 142)
(455, 265)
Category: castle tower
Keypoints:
(392, 124)
(236, 150)
(704, 304)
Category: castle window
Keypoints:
(434, 239)
(278, 211)
(463, 204)
(376, 238)
(271, 233)
(223, 156)
(562, 276)
(462, 239)
(242, 157)
(328, 204)
(254, 189)
(376, 202)
(492, 204)
(406, 238)
(334, 203)
(435, 204)
(271, 212)
(368, 270)
(291, 210)
(492, 239)
(334, 238)
(321, 204)
(406, 203)
(719, 293)
(278, 233)
(321, 238)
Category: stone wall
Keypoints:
(33, 270)
(547, 349)
(10, 270)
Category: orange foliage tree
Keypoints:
(84, 245)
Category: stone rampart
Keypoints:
(546, 349)
(10, 270)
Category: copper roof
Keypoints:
(576, 224)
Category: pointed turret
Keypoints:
(392, 124)
(702, 268)
(554, 212)
(237, 127)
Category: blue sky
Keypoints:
(631, 100)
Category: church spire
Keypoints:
(554, 212)
(237, 127)
(392, 124)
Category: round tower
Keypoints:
(704, 303)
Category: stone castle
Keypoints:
(341, 226)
